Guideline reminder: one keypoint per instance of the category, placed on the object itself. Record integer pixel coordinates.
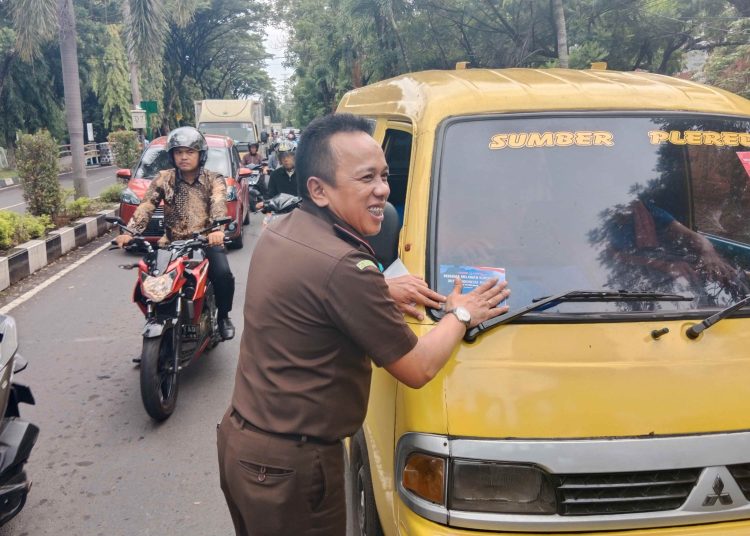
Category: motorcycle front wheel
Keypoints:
(158, 375)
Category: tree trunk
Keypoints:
(562, 33)
(72, 90)
(135, 90)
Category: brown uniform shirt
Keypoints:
(188, 208)
(316, 306)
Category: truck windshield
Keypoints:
(239, 132)
(643, 204)
(156, 159)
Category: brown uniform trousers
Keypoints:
(277, 486)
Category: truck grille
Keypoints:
(155, 225)
(741, 474)
(627, 493)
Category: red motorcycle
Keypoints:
(177, 299)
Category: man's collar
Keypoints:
(201, 178)
(342, 229)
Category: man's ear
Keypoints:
(316, 187)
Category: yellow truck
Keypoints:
(241, 120)
(615, 394)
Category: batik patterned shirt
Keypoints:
(188, 208)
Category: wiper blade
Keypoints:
(546, 302)
(694, 331)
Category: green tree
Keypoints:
(110, 81)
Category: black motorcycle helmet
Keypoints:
(187, 137)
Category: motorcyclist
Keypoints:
(193, 197)
(252, 158)
(283, 179)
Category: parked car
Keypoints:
(616, 205)
(223, 158)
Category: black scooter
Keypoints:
(17, 437)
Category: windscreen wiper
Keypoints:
(546, 302)
(694, 331)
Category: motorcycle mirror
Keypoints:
(19, 363)
(114, 219)
(222, 221)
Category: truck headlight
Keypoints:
(424, 476)
(128, 197)
(504, 488)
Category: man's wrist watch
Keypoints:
(462, 314)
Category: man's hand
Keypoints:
(259, 205)
(480, 302)
(216, 238)
(123, 240)
(410, 291)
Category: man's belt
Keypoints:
(297, 438)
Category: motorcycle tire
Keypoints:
(158, 381)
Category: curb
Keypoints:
(27, 258)
(5, 183)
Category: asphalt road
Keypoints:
(101, 466)
(99, 178)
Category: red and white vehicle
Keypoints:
(223, 158)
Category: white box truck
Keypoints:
(241, 120)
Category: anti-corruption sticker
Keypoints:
(471, 277)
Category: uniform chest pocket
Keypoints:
(263, 472)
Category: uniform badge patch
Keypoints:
(366, 264)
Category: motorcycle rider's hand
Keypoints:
(216, 238)
(410, 292)
(123, 240)
(480, 302)
(259, 205)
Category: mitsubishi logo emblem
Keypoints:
(718, 494)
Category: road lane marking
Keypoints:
(34, 291)
(11, 206)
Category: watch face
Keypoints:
(463, 315)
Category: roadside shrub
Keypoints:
(18, 228)
(125, 150)
(36, 161)
(78, 208)
(112, 193)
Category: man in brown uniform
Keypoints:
(317, 309)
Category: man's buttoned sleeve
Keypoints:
(152, 199)
(359, 304)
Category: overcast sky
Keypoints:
(275, 44)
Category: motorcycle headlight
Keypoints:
(231, 193)
(424, 475)
(157, 288)
(128, 196)
(504, 488)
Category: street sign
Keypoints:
(138, 117)
(150, 106)
(90, 131)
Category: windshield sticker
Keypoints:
(580, 138)
(471, 277)
(699, 137)
(745, 159)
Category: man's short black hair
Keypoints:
(314, 157)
